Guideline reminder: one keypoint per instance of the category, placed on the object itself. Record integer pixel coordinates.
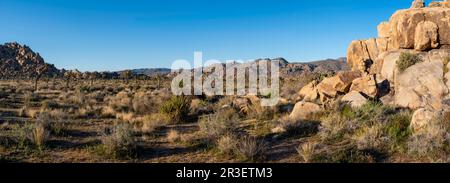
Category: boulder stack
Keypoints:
(380, 72)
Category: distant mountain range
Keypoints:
(17, 61)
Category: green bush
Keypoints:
(398, 127)
(407, 60)
(177, 108)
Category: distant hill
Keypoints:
(151, 72)
(287, 69)
(17, 61)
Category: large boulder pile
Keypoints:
(378, 70)
(17, 61)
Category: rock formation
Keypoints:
(17, 61)
(421, 82)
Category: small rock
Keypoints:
(304, 110)
(309, 92)
(355, 99)
(422, 118)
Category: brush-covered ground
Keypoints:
(140, 121)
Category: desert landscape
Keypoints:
(388, 101)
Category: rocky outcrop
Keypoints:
(333, 86)
(406, 66)
(17, 61)
(309, 92)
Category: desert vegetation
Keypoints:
(112, 121)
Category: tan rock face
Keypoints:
(421, 85)
(418, 4)
(309, 92)
(417, 28)
(358, 56)
(355, 99)
(366, 85)
(422, 118)
(304, 110)
(332, 86)
(426, 36)
(384, 30)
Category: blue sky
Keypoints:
(123, 34)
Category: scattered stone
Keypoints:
(339, 84)
(423, 118)
(309, 92)
(304, 110)
(355, 99)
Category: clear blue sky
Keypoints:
(123, 34)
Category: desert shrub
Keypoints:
(35, 134)
(119, 143)
(347, 153)
(127, 117)
(142, 103)
(397, 128)
(173, 136)
(431, 142)
(31, 97)
(371, 138)
(39, 135)
(220, 123)
(107, 112)
(407, 60)
(28, 112)
(307, 151)
(224, 101)
(177, 108)
(50, 104)
(372, 112)
(298, 128)
(251, 149)
(153, 121)
(334, 127)
(226, 144)
(121, 102)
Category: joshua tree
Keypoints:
(39, 72)
(70, 75)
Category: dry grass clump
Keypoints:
(307, 151)
(226, 144)
(220, 123)
(33, 135)
(122, 102)
(107, 112)
(28, 112)
(173, 136)
(153, 121)
(119, 143)
(142, 103)
(251, 148)
(431, 142)
(127, 117)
